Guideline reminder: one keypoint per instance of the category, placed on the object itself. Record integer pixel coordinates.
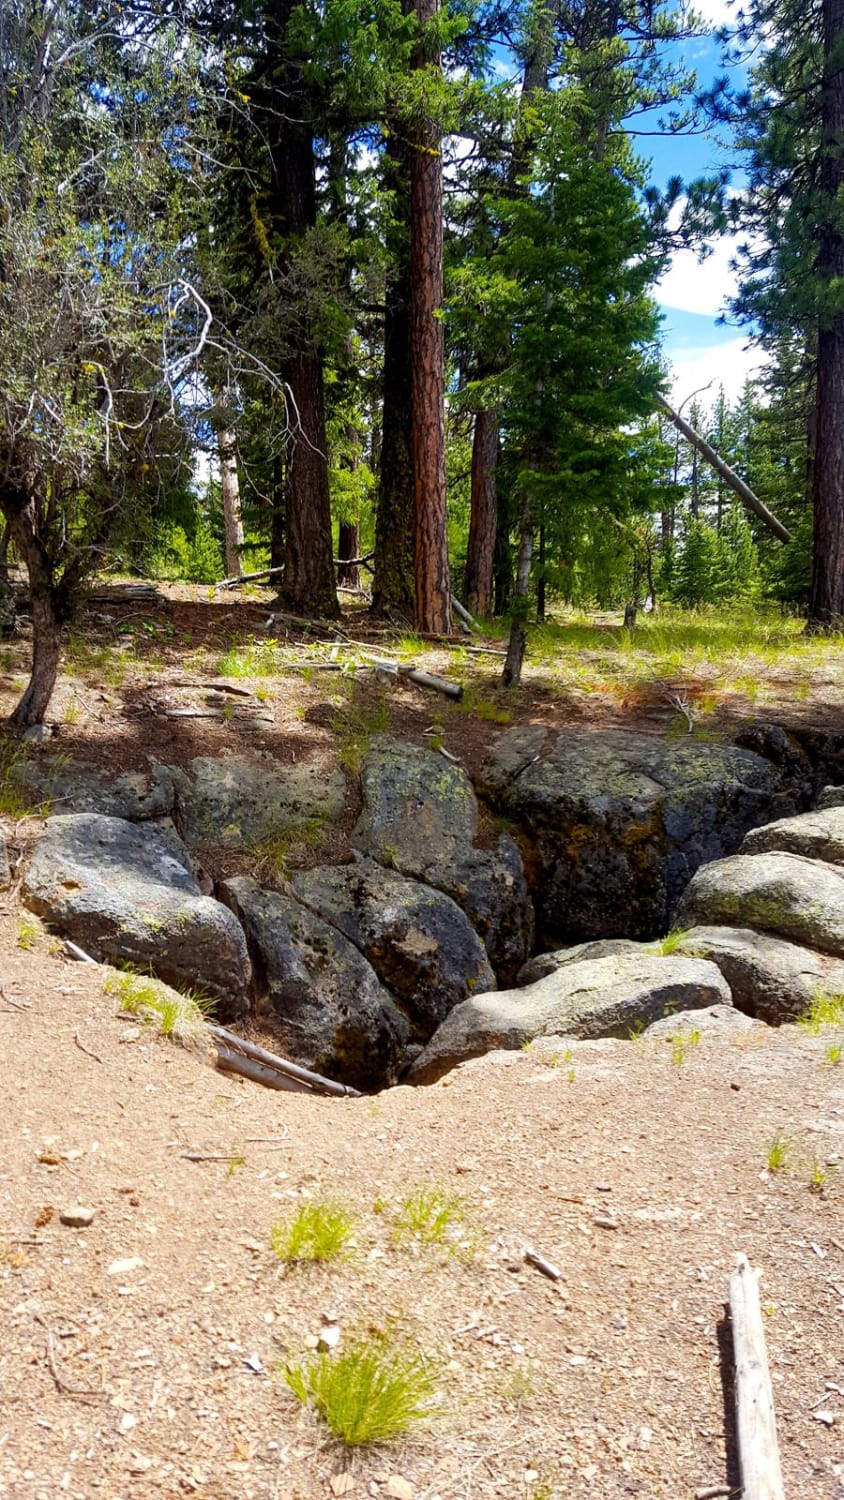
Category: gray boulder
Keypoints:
(770, 979)
(81, 787)
(543, 964)
(234, 802)
(127, 894)
(831, 796)
(420, 817)
(594, 998)
(417, 939)
(332, 1014)
(785, 894)
(619, 821)
(716, 1020)
(818, 835)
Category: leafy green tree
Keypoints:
(96, 178)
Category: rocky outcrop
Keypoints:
(420, 817)
(126, 893)
(331, 1013)
(81, 787)
(787, 895)
(618, 822)
(717, 1020)
(543, 964)
(234, 803)
(817, 835)
(611, 996)
(418, 941)
(771, 980)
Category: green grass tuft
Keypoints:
(371, 1392)
(315, 1232)
(780, 1152)
(183, 1017)
(429, 1213)
(826, 1009)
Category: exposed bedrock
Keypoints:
(614, 824)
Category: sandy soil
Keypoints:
(141, 1356)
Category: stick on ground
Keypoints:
(759, 1459)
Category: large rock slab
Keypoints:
(611, 996)
(333, 1015)
(543, 964)
(127, 893)
(418, 941)
(234, 803)
(619, 821)
(79, 786)
(817, 835)
(771, 980)
(420, 817)
(785, 894)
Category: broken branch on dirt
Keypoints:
(759, 1458)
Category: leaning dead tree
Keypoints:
(729, 476)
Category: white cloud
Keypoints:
(715, 12)
(729, 364)
(695, 286)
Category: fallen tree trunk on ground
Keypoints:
(759, 1458)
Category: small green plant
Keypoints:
(826, 1009)
(237, 1159)
(780, 1151)
(673, 942)
(183, 1017)
(315, 1232)
(16, 799)
(257, 658)
(28, 934)
(681, 1044)
(429, 1213)
(371, 1392)
(818, 1177)
(833, 1054)
(70, 712)
(272, 854)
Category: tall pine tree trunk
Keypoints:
(826, 607)
(393, 582)
(427, 358)
(230, 491)
(483, 519)
(308, 583)
(348, 546)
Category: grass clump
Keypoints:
(371, 1392)
(826, 1009)
(28, 934)
(16, 799)
(183, 1017)
(779, 1152)
(315, 1232)
(675, 941)
(682, 1043)
(430, 1213)
(256, 658)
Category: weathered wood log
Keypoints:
(729, 476)
(237, 1048)
(436, 684)
(463, 614)
(237, 579)
(759, 1460)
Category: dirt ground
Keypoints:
(142, 1355)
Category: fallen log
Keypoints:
(759, 1460)
(233, 582)
(729, 476)
(236, 1055)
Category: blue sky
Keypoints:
(691, 293)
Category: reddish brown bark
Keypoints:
(483, 520)
(826, 608)
(427, 359)
(230, 492)
(393, 590)
(348, 545)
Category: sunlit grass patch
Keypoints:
(431, 1213)
(314, 1232)
(252, 658)
(372, 1392)
(167, 1011)
(826, 1009)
